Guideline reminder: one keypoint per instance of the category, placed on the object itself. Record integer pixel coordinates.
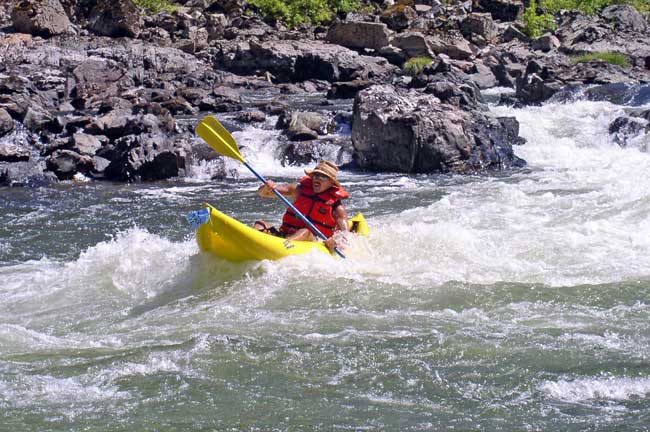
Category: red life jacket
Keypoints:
(319, 208)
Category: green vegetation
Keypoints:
(416, 65)
(538, 20)
(296, 12)
(535, 24)
(155, 6)
(610, 57)
(591, 6)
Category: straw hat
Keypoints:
(327, 169)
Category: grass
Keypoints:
(610, 57)
(155, 6)
(414, 66)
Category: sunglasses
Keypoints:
(320, 177)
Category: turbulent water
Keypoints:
(495, 303)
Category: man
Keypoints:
(317, 196)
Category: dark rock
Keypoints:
(624, 128)
(252, 117)
(394, 130)
(6, 122)
(503, 10)
(115, 19)
(96, 81)
(37, 118)
(399, 16)
(347, 90)
(479, 28)
(66, 163)
(625, 17)
(12, 152)
(546, 43)
(304, 152)
(145, 157)
(305, 126)
(40, 17)
(511, 129)
(30, 174)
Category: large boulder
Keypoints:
(294, 61)
(359, 35)
(406, 131)
(40, 17)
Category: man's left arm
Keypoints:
(341, 217)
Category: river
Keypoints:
(510, 302)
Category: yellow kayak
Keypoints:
(230, 239)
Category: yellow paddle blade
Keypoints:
(218, 138)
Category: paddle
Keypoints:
(222, 142)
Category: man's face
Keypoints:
(321, 182)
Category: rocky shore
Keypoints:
(102, 90)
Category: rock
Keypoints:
(399, 17)
(347, 90)
(503, 10)
(295, 61)
(546, 43)
(97, 80)
(359, 35)
(513, 33)
(624, 128)
(451, 44)
(115, 19)
(6, 122)
(413, 44)
(66, 163)
(40, 17)
(145, 157)
(305, 126)
(304, 152)
(478, 27)
(252, 117)
(30, 174)
(12, 152)
(625, 17)
(396, 130)
(85, 144)
(37, 118)
(463, 95)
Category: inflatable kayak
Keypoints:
(230, 239)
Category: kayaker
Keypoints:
(318, 196)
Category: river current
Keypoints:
(510, 302)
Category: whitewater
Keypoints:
(505, 302)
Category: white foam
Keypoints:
(598, 388)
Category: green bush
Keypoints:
(416, 65)
(296, 12)
(536, 25)
(155, 6)
(591, 6)
(610, 57)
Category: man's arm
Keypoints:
(341, 217)
(288, 190)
